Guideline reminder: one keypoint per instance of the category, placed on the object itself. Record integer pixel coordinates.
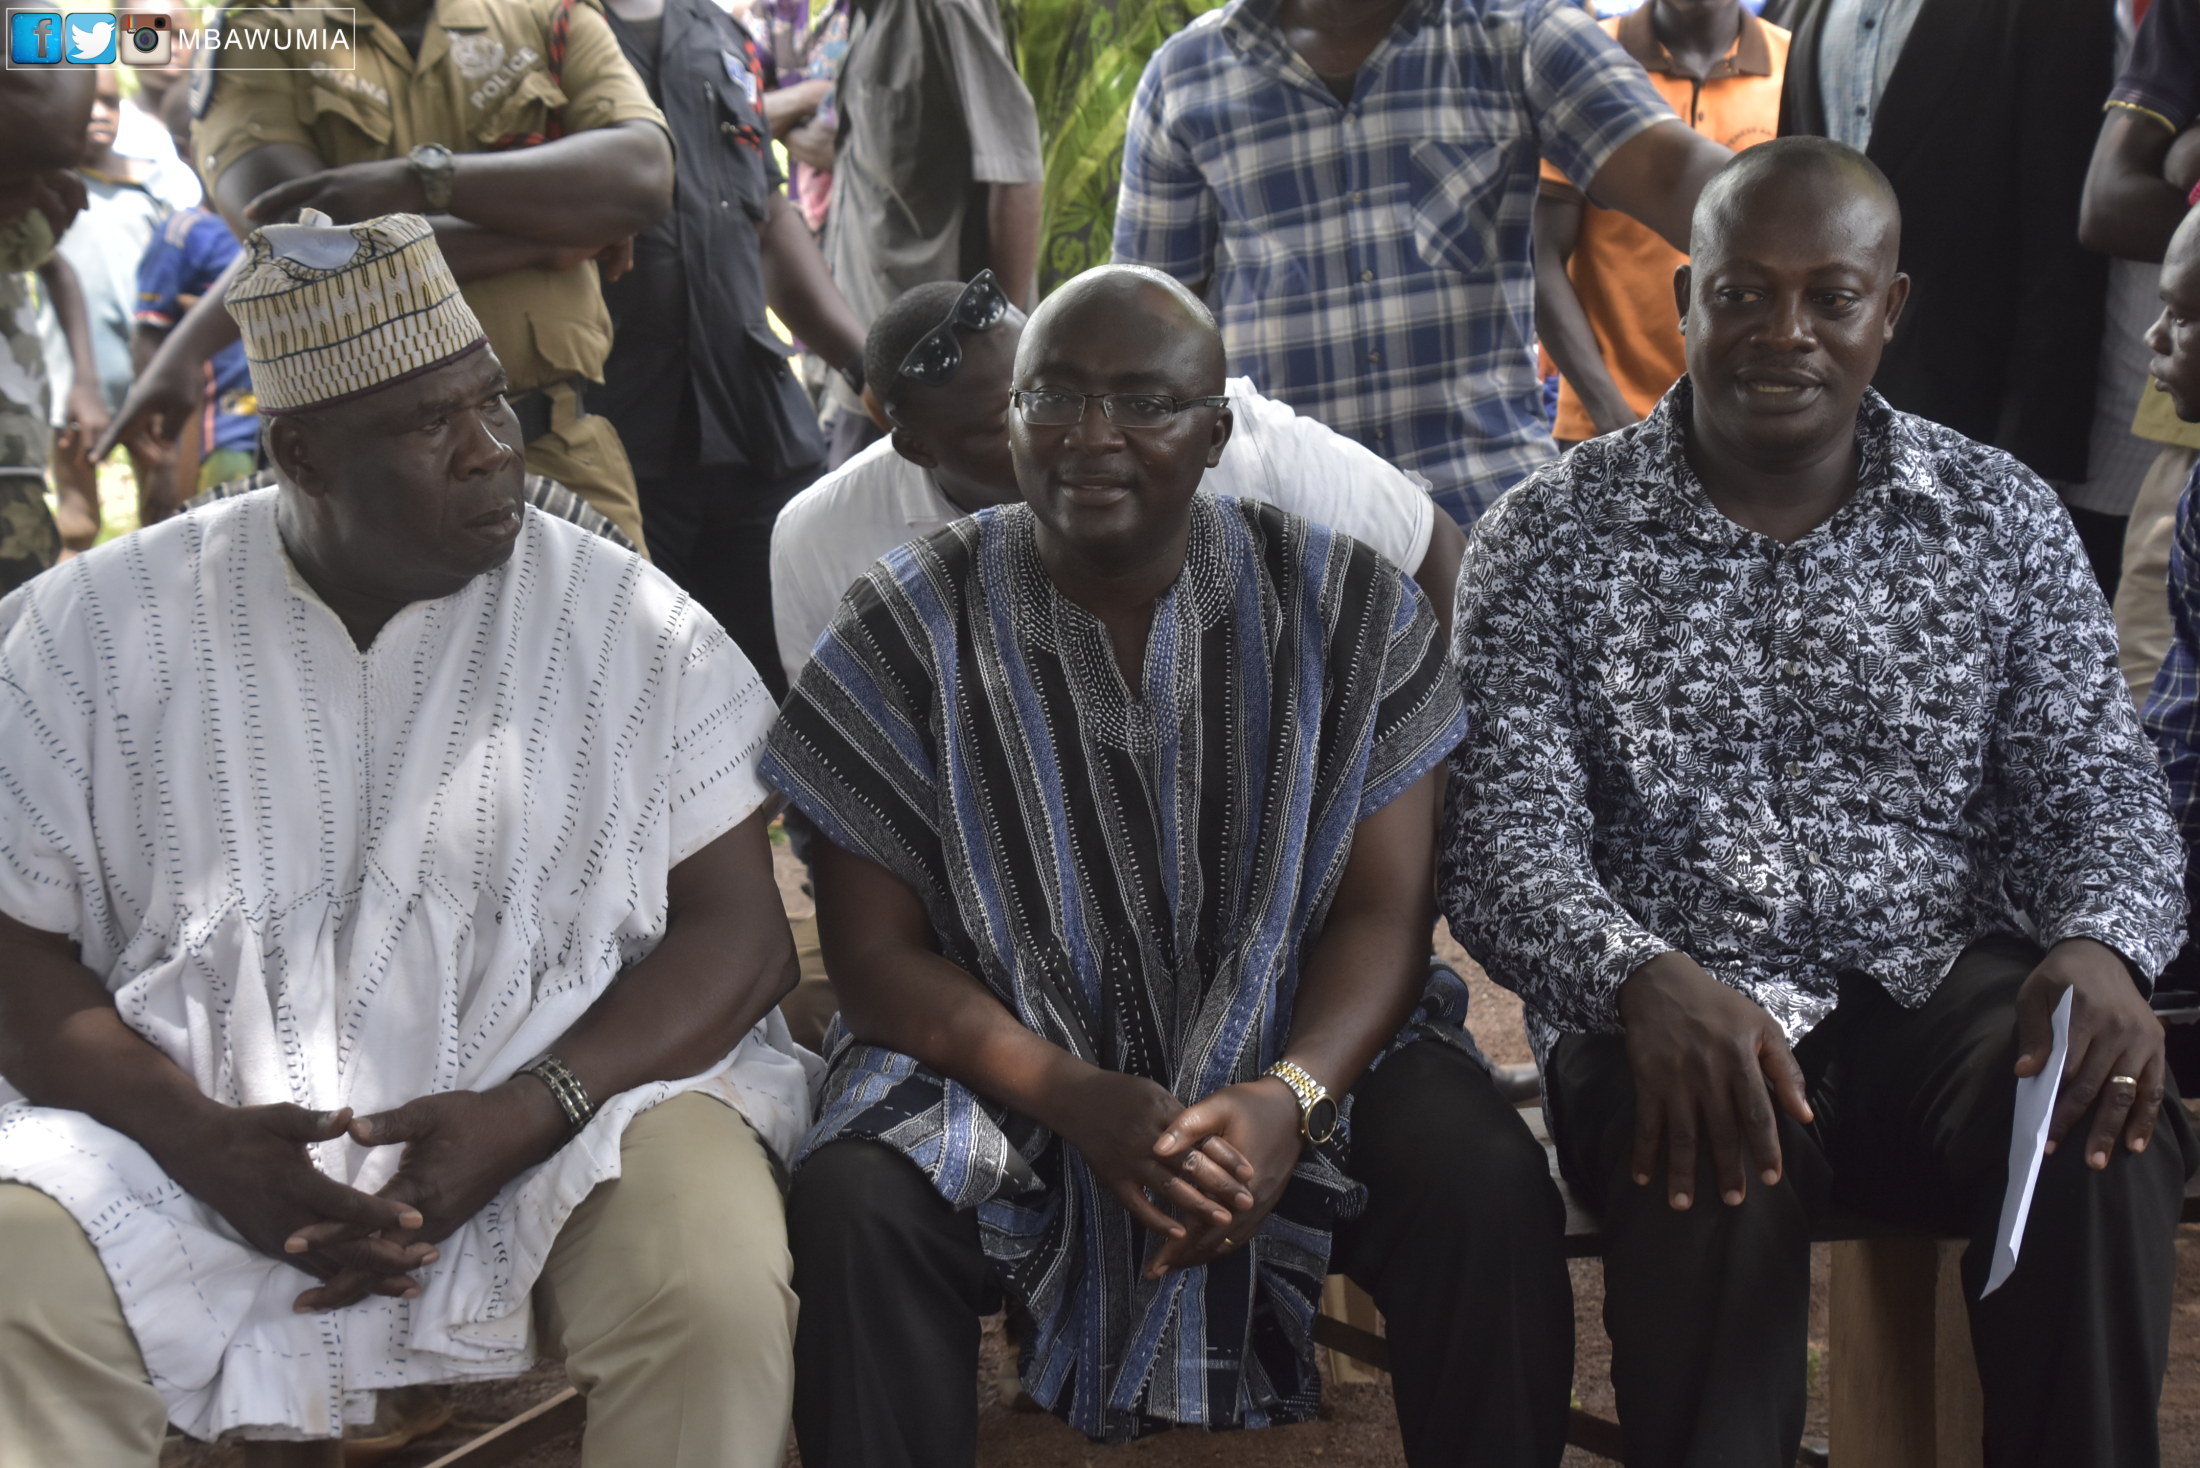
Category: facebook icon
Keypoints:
(34, 38)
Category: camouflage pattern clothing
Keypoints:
(29, 543)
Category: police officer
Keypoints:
(515, 125)
(720, 430)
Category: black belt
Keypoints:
(534, 407)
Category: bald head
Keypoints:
(1791, 291)
(1178, 335)
(1799, 183)
(1104, 493)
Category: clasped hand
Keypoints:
(251, 1165)
(1203, 1176)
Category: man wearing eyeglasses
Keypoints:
(1126, 794)
(938, 362)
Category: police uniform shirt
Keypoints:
(481, 83)
(697, 375)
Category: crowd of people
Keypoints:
(1156, 503)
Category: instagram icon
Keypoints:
(146, 37)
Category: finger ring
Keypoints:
(2131, 1081)
(1189, 1159)
(1228, 1242)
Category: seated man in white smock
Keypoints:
(388, 939)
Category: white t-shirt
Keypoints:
(829, 535)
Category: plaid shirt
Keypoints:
(1371, 261)
(2173, 706)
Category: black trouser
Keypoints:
(1460, 1246)
(1709, 1309)
(2103, 538)
(710, 529)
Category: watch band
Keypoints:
(437, 168)
(1312, 1096)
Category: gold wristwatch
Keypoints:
(1318, 1114)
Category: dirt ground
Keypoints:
(1358, 1430)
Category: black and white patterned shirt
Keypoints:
(1859, 752)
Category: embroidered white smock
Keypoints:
(339, 878)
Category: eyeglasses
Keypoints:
(939, 351)
(1044, 407)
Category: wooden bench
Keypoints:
(1906, 1392)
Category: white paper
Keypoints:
(2027, 1146)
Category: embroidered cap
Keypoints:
(330, 311)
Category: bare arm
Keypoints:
(1438, 573)
(170, 378)
(1012, 238)
(726, 958)
(63, 1045)
(166, 390)
(87, 409)
(586, 190)
(2129, 210)
(1368, 967)
(1657, 174)
(787, 108)
(801, 289)
(1562, 323)
(896, 990)
(68, 304)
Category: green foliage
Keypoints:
(1082, 60)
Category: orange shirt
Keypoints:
(1621, 270)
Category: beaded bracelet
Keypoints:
(565, 1089)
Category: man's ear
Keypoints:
(1898, 296)
(912, 448)
(291, 448)
(876, 410)
(1681, 287)
(1219, 440)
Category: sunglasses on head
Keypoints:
(939, 351)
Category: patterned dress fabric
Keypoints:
(1860, 752)
(1138, 879)
(337, 877)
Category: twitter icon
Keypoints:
(91, 39)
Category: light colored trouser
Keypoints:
(2143, 626)
(667, 1293)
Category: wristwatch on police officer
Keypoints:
(437, 168)
(1318, 1114)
